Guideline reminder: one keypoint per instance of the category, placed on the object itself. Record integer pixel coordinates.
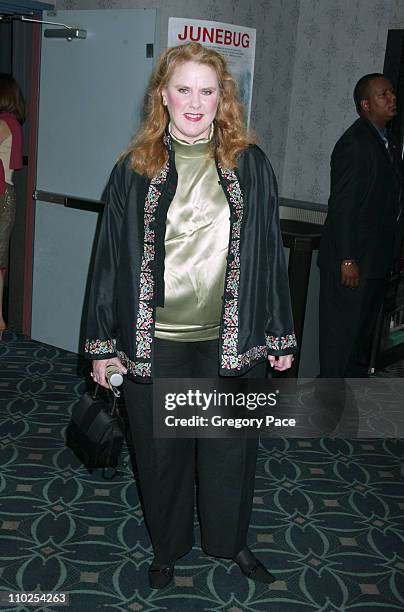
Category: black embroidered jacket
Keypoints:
(128, 277)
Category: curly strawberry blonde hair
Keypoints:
(147, 151)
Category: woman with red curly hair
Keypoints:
(190, 281)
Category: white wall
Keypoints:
(275, 22)
(310, 53)
(337, 43)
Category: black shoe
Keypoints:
(160, 576)
(252, 568)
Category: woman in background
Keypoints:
(12, 116)
(190, 281)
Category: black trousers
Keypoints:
(347, 324)
(167, 467)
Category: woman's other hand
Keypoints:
(281, 363)
(99, 367)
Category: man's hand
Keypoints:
(99, 366)
(349, 274)
(283, 362)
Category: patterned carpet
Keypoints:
(328, 514)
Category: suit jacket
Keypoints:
(128, 278)
(364, 221)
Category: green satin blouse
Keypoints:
(196, 243)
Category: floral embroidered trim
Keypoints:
(143, 343)
(233, 282)
(100, 347)
(144, 321)
(231, 360)
(253, 354)
(239, 361)
(167, 139)
(136, 368)
(280, 343)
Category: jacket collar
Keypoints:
(375, 132)
(394, 160)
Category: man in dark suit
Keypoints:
(361, 235)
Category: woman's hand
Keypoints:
(99, 366)
(282, 362)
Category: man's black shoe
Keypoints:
(160, 576)
(252, 568)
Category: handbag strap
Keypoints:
(114, 390)
(114, 408)
(115, 393)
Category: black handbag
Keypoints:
(96, 431)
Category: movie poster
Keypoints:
(236, 43)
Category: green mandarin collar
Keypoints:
(200, 148)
